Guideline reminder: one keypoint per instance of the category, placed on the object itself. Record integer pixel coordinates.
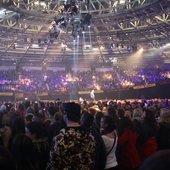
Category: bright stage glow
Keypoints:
(122, 1)
(38, 3)
(166, 46)
(126, 83)
(136, 58)
(141, 49)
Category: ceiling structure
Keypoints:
(117, 29)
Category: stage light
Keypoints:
(136, 58)
(141, 49)
(38, 4)
(72, 17)
(122, 1)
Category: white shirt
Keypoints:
(111, 160)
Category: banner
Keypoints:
(84, 92)
(6, 94)
(42, 94)
(144, 86)
(98, 91)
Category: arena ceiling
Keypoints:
(117, 29)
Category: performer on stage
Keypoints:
(92, 95)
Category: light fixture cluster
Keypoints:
(70, 16)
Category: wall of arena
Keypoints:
(150, 91)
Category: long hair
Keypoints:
(112, 113)
(165, 116)
(18, 126)
(150, 119)
(37, 128)
(86, 120)
(107, 125)
(24, 153)
(125, 123)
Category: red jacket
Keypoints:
(148, 148)
(129, 156)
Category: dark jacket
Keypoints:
(100, 151)
(163, 136)
(147, 145)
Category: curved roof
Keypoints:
(117, 29)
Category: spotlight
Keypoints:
(141, 49)
(70, 16)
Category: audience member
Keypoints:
(73, 147)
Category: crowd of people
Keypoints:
(86, 135)
(65, 81)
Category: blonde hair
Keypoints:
(165, 115)
(137, 114)
(128, 114)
